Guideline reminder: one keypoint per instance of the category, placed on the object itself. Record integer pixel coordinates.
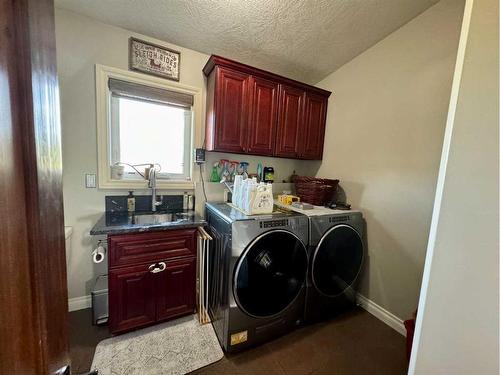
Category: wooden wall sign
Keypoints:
(154, 59)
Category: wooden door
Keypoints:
(231, 108)
(311, 146)
(131, 298)
(33, 289)
(176, 288)
(262, 120)
(290, 121)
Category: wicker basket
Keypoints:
(317, 191)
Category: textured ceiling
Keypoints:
(305, 40)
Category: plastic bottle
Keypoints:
(238, 181)
(268, 174)
(130, 202)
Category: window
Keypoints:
(150, 126)
(144, 120)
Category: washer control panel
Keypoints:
(273, 223)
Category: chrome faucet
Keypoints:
(152, 186)
(225, 181)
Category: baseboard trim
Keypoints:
(84, 302)
(382, 314)
(79, 303)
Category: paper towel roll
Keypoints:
(98, 254)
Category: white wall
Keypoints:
(385, 127)
(82, 43)
(457, 326)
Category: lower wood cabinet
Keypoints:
(132, 301)
(175, 289)
(156, 290)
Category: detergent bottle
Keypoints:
(262, 199)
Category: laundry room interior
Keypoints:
(275, 187)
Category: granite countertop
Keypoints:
(124, 222)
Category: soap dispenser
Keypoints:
(130, 202)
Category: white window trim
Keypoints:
(103, 112)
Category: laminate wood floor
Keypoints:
(354, 344)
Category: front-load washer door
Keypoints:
(270, 273)
(337, 260)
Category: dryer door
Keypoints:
(337, 260)
(270, 273)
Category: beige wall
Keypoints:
(384, 135)
(457, 328)
(82, 43)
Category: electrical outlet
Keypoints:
(199, 155)
(90, 180)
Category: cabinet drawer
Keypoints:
(151, 247)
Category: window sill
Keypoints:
(143, 185)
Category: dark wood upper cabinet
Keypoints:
(263, 111)
(311, 146)
(227, 112)
(290, 122)
(253, 111)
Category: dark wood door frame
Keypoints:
(33, 290)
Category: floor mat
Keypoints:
(175, 347)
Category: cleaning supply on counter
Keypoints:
(233, 169)
(244, 169)
(252, 197)
(130, 202)
(302, 205)
(261, 199)
(224, 174)
(214, 175)
(238, 180)
(191, 202)
(259, 172)
(288, 199)
(268, 174)
(185, 201)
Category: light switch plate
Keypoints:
(90, 180)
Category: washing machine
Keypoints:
(257, 274)
(336, 252)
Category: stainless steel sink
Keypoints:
(155, 219)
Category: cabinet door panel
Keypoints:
(315, 122)
(290, 121)
(176, 288)
(131, 298)
(262, 119)
(231, 111)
